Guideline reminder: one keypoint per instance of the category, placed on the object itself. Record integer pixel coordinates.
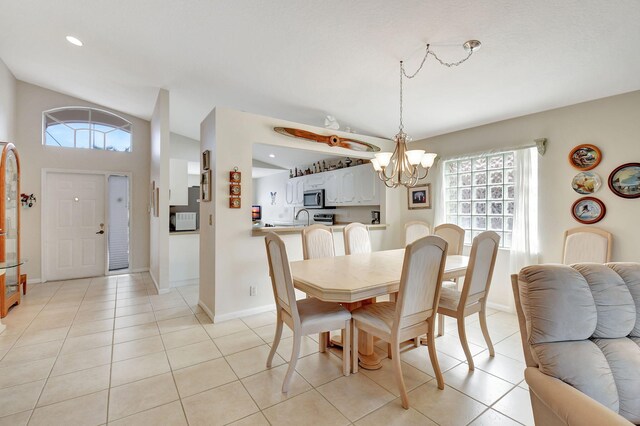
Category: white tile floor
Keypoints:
(110, 350)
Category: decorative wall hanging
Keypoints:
(585, 157)
(235, 191)
(206, 160)
(586, 183)
(27, 200)
(419, 197)
(624, 181)
(332, 140)
(152, 199)
(588, 210)
(273, 198)
(205, 186)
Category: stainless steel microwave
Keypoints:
(314, 199)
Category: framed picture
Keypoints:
(205, 186)
(585, 157)
(420, 197)
(588, 210)
(624, 181)
(586, 183)
(206, 160)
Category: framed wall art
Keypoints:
(624, 180)
(206, 160)
(419, 197)
(588, 210)
(586, 183)
(205, 186)
(585, 157)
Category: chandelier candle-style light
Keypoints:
(407, 167)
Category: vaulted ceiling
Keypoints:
(303, 59)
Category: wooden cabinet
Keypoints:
(9, 228)
(178, 182)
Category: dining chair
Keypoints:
(587, 244)
(414, 230)
(453, 235)
(475, 290)
(356, 239)
(303, 317)
(317, 242)
(414, 311)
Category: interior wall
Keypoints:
(31, 102)
(184, 148)
(8, 89)
(159, 226)
(239, 260)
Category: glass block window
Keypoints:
(480, 194)
(87, 128)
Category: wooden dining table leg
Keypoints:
(369, 360)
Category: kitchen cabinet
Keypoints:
(294, 191)
(178, 182)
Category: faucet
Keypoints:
(300, 211)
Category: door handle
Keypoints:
(101, 231)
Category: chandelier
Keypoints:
(407, 167)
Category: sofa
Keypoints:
(580, 328)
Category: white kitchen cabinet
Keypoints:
(331, 190)
(348, 187)
(294, 191)
(178, 182)
(368, 186)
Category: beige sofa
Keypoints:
(580, 328)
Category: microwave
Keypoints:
(314, 199)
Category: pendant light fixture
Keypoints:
(407, 167)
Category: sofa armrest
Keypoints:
(562, 404)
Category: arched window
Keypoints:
(89, 128)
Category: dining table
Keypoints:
(357, 279)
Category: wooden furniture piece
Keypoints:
(414, 311)
(356, 239)
(317, 242)
(475, 290)
(415, 230)
(9, 228)
(356, 280)
(586, 244)
(304, 317)
(453, 235)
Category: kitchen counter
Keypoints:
(196, 232)
(262, 230)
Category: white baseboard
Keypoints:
(182, 283)
(137, 270)
(501, 307)
(33, 281)
(243, 313)
(155, 283)
(206, 309)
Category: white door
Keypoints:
(74, 225)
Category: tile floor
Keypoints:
(110, 350)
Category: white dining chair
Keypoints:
(356, 239)
(303, 317)
(453, 235)
(317, 242)
(475, 290)
(413, 313)
(414, 230)
(587, 244)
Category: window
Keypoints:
(479, 195)
(87, 128)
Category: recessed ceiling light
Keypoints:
(75, 41)
(272, 156)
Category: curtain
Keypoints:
(439, 196)
(524, 245)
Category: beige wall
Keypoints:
(159, 226)
(8, 85)
(31, 102)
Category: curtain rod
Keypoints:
(540, 144)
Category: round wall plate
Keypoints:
(586, 183)
(588, 210)
(624, 181)
(585, 157)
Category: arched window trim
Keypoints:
(48, 119)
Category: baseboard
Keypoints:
(138, 270)
(155, 283)
(182, 283)
(34, 281)
(206, 309)
(243, 313)
(500, 307)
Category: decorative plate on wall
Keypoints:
(586, 183)
(624, 181)
(585, 157)
(588, 210)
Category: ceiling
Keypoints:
(302, 60)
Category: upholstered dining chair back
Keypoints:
(480, 269)
(280, 273)
(586, 244)
(317, 242)
(356, 239)
(415, 230)
(453, 235)
(421, 281)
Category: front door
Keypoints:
(74, 225)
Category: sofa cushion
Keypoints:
(630, 273)
(557, 303)
(614, 304)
